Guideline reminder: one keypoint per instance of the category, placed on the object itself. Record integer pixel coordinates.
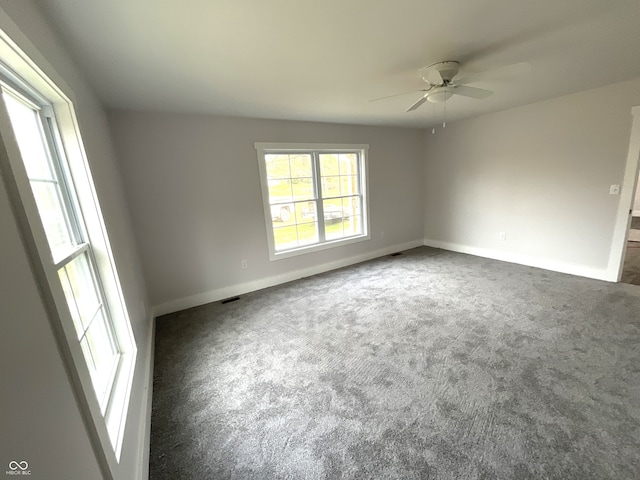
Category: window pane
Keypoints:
(71, 301)
(86, 351)
(342, 218)
(26, 126)
(277, 166)
(348, 163)
(307, 233)
(280, 191)
(302, 188)
(305, 211)
(283, 214)
(333, 218)
(329, 164)
(331, 186)
(100, 341)
(104, 356)
(54, 220)
(351, 206)
(83, 288)
(285, 237)
(333, 229)
(301, 166)
(332, 209)
(349, 185)
(352, 226)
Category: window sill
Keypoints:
(317, 247)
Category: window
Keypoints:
(59, 204)
(64, 228)
(314, 196)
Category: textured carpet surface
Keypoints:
(631, 267)
(428, 365)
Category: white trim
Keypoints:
(309, 147)
(363, 153)
(242, 288)
(572, 269)
(636, 213)
(144, 428)
(316, 247)
(627, 194)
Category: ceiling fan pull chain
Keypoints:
(444, 119)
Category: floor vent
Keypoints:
(229, 300)
(396, 254)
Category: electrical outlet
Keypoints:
(614, 189)
(503, 236)
(243, 264)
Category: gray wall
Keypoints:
(539, 173)
(40, 420)
(193, 186)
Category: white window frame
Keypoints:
(105, 418)
(80, 246)
(265, 148)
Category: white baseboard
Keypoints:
(572, 269)
(635, 213)
(242, 288)
(144, 439)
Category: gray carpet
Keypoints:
(631, 267)
(428, 365)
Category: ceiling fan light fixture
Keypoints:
(439, 96)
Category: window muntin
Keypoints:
(64, 230)
(302, 185)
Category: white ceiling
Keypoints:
(324, 59)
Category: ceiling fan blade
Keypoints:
(434, 77)
(472, 92)
(512, 70)
(417, 104)
(399, 94)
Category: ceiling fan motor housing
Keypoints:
(440, 73)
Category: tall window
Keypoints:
(75, 256)
(314, 196)
(65, 231)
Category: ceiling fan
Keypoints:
(443, 81)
